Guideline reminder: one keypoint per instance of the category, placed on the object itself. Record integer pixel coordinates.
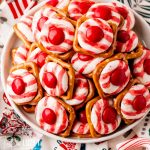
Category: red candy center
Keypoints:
(84, 6)
(94, 34)
(118, 77)
(50, 79)
(56, 35)
(82, 117)
(147, 66)
(123, 12)
(84, 57)
(41, 22)
(103, 12)
(139, 103)
(52, 2)
(41, 59)
(49, 116)
(18, 86)
(123, 36)
(109, 115)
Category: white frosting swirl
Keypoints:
(30, 88)
(61, 76)
(100, 46)
(127, 109)
(61, 115)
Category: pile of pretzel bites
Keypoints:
(81, 68)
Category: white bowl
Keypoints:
(143, 31)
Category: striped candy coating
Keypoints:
(85, 67)
(75, 9)
(96, 117)
(115, 16)
(138, 68)
(127, 109)
(30, 88)
(61, 115)
(66, 27)
(100, 46)
(24, 26)
(21, 55)
(61, 76)
(105, 77)
(81, 90)
(129, 21)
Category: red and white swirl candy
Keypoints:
(39, 18)
(51, 115)
(61, 4)
(126, 13)
(25, 27)
(57, 35)
(20, 55)
(85, 64)
(141, 68)
(81, 90)
(54, 79)
(127, 41)
(105, 11)
(81, 125)
(77, 8)
(37, 56)
(104, 117)
(21, 86)
(135, 143)
(95, 36)
(114, 77)
(136, 102)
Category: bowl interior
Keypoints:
(141, 28)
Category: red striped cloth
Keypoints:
(18, 7)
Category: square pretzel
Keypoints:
(71, 75)
(32, 68)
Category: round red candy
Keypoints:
(18, 86)
(41, 59)
(50, 79)
(41, 22)
(139, 103)
(84, 57)
(84, 6)
(94, 34)
(123, 36)
(49, 116)
(109, 115)
(56, 35)
(103, 12)
(52, 2)
(146, 66)
(118, 77)
(123, 12)
(82, 117)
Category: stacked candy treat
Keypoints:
(81, 68)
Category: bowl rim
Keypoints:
(36, 127)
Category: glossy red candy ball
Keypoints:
(84, 6)
(146, 66)
(18, 86)
(139, 103)
(82, 117)
(109, 115)
(50, 79)
(49, 116)
(84, 57)
(118, 77)
(41, 59)
(56, 35)
(123, 12)
(123, 36)
(94, 34)
(103, 12)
